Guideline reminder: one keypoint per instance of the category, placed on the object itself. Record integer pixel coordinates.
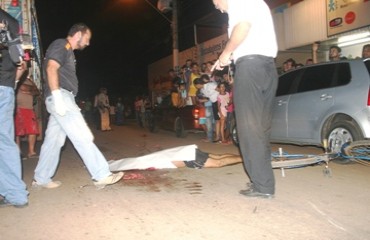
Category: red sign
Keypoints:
(350, 17)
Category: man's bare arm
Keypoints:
(53, 81)
(52, 74)
(315, 47)
(238, 34)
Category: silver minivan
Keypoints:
(323, 101)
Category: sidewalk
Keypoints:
(187, 203)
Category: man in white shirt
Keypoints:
(252, 45)
(209, 90)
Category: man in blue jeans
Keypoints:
(252, 45)
(65, 116)
(12, 189)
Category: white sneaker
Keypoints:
(111, 179)
(51, 184)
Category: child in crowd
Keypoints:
(223, 100)
(202, 113)
(195, 73)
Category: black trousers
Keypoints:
(254, 90)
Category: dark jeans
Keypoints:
(97, 118)
(254, 90)
(119, 118)
(138, 118)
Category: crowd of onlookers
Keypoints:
(192, 84)
(335, 54)
(211, 91)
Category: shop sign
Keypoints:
(346, 15)
(211, 49)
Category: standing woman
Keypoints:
(223, 100)
(102, 102)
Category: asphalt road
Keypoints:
(190, 204)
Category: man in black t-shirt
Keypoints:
(65, 116)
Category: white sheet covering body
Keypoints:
(159, 160)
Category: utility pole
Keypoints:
(175, 36)
(174, 26)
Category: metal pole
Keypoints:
(175, 37)
(156, 9)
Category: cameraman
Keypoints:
(12, 189)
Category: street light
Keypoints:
(164, 5)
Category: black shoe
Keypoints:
(246, 191)
(249, 188)
(4, 203)
(253, 193)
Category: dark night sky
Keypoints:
(127, 35)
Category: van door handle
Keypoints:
(325, 97)
(281, 102)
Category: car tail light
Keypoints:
(196, 113)
(368, 98)
(15, 3)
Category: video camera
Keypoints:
(4, 35)
(14, 45)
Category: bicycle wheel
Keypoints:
(359, 150)
(295, 160)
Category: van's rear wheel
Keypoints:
(341, 132)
